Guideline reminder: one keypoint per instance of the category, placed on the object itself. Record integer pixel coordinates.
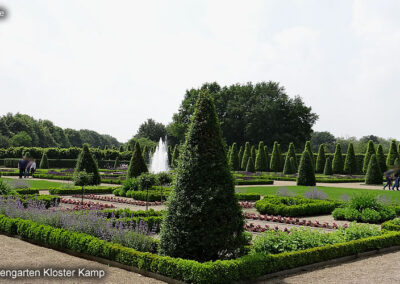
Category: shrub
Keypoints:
(370, 215)
(117, 163)
(234, 158)
(261, 159)
(275, 163)
(351, 214)
(87, 163)
(77, 190)
(292, 154)
(253, 153)
(393, 154)
(164, 178)
(137, 165)
(44, 162)
(294, 206)
(337, 163)
(306, 170)
(246, 156)
(175, 157)
(350, 163)
(254, 181)
(380, 156)
(131, 184)
(328, 167)
(321, 159)
(250, 165)
(369, 152)
(307, 148)
(248, 196)
(204, 219)
(374, 174)
(289, 168)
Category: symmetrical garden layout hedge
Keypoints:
(222, 271)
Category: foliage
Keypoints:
(21, 139)
(381, 158)
(234, 158)
(374, 174)
(337, 163)
(164, 178)
(76, 190)
(294, 206)
(4, 188)
(328, 167)
(250, 165)
(292, 154)
(117, 163)
(151, 130)
(350, 163)
(82, 178)
(246, 156)
(321, 159)
(86, 162)
(275, 163)
(261, 159)
(289, 167)
(175, 157)
(393, 154)
(370, 151)
(307, 148)
(240, 156)
(44, 162)
(203, 220)
(137, 165)
(324, 138)
(271, 242)
(146, 181)
(306, 170)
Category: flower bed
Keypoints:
(295, 206)
(86, 205)
(293, 221)
(226, 271)
(246, 204)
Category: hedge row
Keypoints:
(254, 181)
(78, 190)
(295, 206)
(225, 271)
(58, 163)
(24, 191)
(324, 180)
(248, 196)
(151, 221)
(391, 225)
(126, 212)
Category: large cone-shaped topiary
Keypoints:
(306, 170)
(369, 152)
(250, 165)
(204, 220)
(350, 163)
(392, 155)
(374, 174)
(86, 162)
(44, 162)
(234, 158)
(321, 158)
(275, 163)
(246, 156)
(328, 167)
(261, 159)
(137, 165)
(337, 163)
(292, 154)
(380, 156)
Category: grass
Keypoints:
(37, 184)
(333, 192)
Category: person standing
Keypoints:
(396, 182)
(388, 182)
(22, 166)
(33, 167)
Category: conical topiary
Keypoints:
(175, 156)
(337, 163)
(204, 220)
(293, 164)
(374, 174)
(86, 162)
(306, 174)
(117, 163)
(234, 158)
(137, 166)
(261, 159)
(250, 165)
(246, 156)
(121, 148)
(392, 155)
(292, 153)
(253, 153)
(146, 154)
(368, 153)
(289, 168)
(275, 163)
(266, 157)
(44, 162)
(328, 167)
(240, 156)
(321, 159)
(380, 156)
(281, 160)
(307, 147)
(350, 163)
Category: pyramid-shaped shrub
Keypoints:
(321, 158)
(240, 156)
(86, 162)
(275, 163)
(234, 158)
(306, 170)
(289, 168)
(204, 220)
(368, 153)
(374, 174)
(307, 147)
(261, 159)
(380, 156)
(337, 163)
(393, 154)
(246, 156)
(137, 166)
(266, 157)
(250, 165)
(350, 163)
(117, 163)
(292, 154)
(44, 162)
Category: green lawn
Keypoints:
(333, 192)
(37, 184)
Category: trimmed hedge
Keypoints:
(28, 191)
(254, 181)
(295, 206)
(392, 225)
(78, 190)
(225, 271)
(248, 196)
(126, 212)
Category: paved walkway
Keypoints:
(15, 253)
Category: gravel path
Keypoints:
(382, 268)
(15, 253)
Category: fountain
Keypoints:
(159, 160)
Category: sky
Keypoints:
(109, 65)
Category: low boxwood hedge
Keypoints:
(126, 212)
(295, 206)
(78, 190)
(223, 271)
(24, 191)
(392, 225)
(254, 181)
(248, 196)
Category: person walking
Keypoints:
(22, 166)
(28, 168)
(388, 182)
(33, 167)
(396, 182)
